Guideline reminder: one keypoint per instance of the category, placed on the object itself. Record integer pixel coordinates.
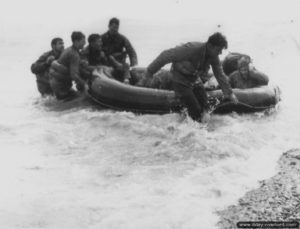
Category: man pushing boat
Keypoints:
(41, 67)
(190, 63)
(66, 69)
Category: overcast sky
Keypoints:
(57, 12)
(30, 20)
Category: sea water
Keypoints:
(75, 166)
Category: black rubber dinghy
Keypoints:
(113, 94)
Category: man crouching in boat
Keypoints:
(241, 73)
(41, 67)
(117, 47)
(246, 76)
(66, 69)
(189, 63)
(92, 56)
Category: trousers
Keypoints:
(43, 85)
(193, 97)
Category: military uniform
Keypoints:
(116, 47)
(63, 72)
(230, 63)
(41, 69)
(254, 79)
(94, 57)
(91, 58)
(119, 47)
(190, 63)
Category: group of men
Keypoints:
(57, 69)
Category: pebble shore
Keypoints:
(277, 198)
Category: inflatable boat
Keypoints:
(110, 93)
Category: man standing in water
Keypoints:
(41, 67)
(116, 47)
(66, 69)
(190, 63)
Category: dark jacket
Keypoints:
(254, 79)
(41, 66)
(94, 57)
(230, 63)
(119, 47)
(70, 59)
(191, 61)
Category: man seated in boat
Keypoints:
(230, 62)
(242, 74)
(189, 62)
(247, 76)
(117, 47)
(41, 67)
(66, 69)
(92, 56)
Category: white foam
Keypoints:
(81, 168)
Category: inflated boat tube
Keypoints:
(116, 95)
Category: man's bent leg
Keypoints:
(44, 88)
(201, 95)
(43, 85)
(188, 98)
(62, 90)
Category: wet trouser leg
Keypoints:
(62, 90)
(43, 85)
(189, 100)
(44, 88)
(201, 95)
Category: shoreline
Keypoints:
(276, 199)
